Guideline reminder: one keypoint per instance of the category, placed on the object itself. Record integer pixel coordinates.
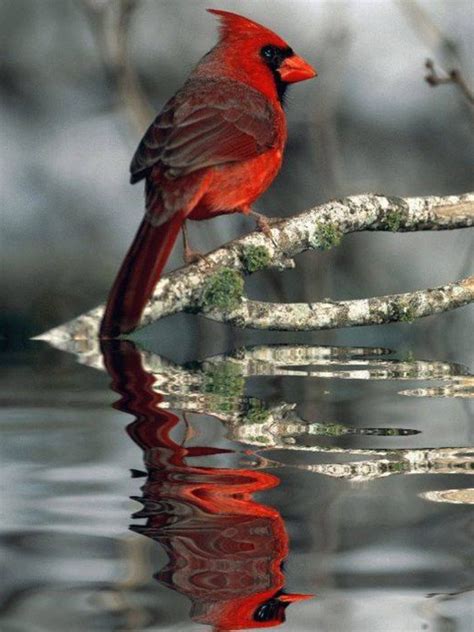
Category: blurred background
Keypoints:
(79, 82)
(81, 79)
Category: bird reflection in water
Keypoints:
(225, 550)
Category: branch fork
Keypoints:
(214, 285)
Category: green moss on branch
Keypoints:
(222, 290)
(224, 378)
(394, 219)
(255, 412)
(326, 236)
(403, 312)
(255, 258)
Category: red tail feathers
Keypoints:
(138, 276)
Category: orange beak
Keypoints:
(294, 597)
(295, 69)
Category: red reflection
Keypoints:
(225, 549)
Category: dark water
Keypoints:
(328, 486)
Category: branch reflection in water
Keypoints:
(216, 387)
(225, 550)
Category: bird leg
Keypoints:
(264, 224)
(189, 255)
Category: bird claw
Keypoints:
(192, 256)
(264, 224)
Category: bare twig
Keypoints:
(444, 47)
(429, 31)
(433, 78)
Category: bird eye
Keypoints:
(269, 610)
(268, 52)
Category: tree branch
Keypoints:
(331, 314)
(214, 286)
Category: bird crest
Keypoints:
(235, 26)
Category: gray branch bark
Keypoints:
(320, 227)
(330, 314)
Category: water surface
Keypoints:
(306, 487)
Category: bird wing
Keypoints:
(209, 122)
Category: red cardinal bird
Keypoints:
(215, 148)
